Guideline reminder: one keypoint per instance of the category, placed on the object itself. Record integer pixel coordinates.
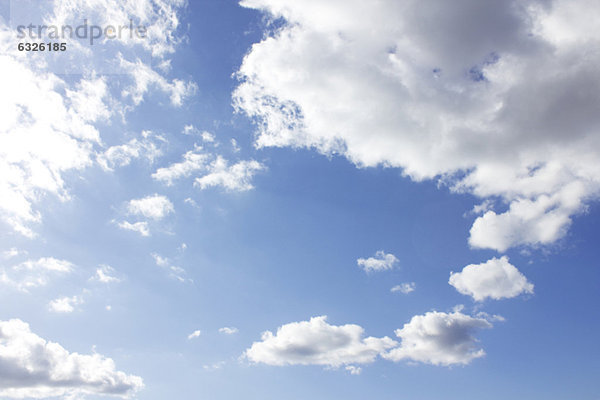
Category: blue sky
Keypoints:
(179, 215)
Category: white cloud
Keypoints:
(208, 137)
(35, 368)
(439, 338)
(194, 334)
(315, 342)
(380, 262)
(228, 330)
(354, 370)
(175, 272)
(104, 275)
(65, 304)
(405, 288)
(449, 91)
(236, 177)
(34, 273)
(234, 146)
(139, 227)
(122, 155)
(189, 129)
(145, 78)
(12, 252)
(496, 279)
(192, 162)
(155, 207)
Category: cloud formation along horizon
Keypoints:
(446, 91)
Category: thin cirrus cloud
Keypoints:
(435, 338)
(38, 368)
(381, 261)
(448, 91)
(495, 279)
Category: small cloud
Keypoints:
(380, 262)
(194, 334)
(104, 275)
(139, 227)
(155, 207)
(189, 130)
(354, 370)
(228, 330)
(234, 146)
(405, 288)
(65, 305)
(208, 137)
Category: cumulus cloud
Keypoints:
(316, 342)
(496, 279)
(228, 330)
(405, 288)
(380, 262)
(65, 304)
(448, 91)
(155, 207)
(439, 338)
(236, 177)
(34, 273)
(32, 367)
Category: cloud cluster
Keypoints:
(436, 338)
(380, 262)
(31, 367)
(215, 170)
(52, 123)
(496, 279)
(443, 90)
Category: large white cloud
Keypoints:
(316, 342)
(439, 338)
(496, 279)
(498, 99)
(32, 367)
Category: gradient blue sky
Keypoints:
(344, 177)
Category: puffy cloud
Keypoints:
(439, 338)
(192, 162)
(140, 227)
(405, 288)
(354, 370)
(194, 334)
(155, 207)
(228, 330)
(65, 304)
(380, 262)
(31, 367)
(449, 91)
(236, 177)
(34, 273)
(496, 279)
(318, 343)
